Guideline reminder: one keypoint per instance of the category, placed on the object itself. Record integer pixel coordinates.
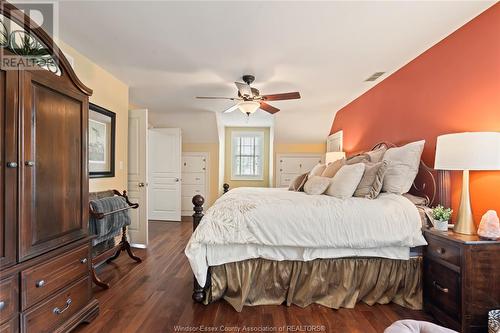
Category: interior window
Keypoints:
(247, 155)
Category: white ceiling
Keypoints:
(169, 52)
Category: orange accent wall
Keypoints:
(452, 87)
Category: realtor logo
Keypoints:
(20, 47)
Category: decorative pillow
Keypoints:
(358, 159)
(333, 168)
(317, 170)
(403, 167)
(346, 181)
(316, 185)
(297, 184)
(371, 183)
(376, 155)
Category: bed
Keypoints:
(259, 246)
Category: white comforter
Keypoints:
(276, 217)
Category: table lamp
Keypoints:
(467, 151)
(333, 156)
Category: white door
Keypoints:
(165, 174)
(137, 175)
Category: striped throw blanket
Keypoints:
(111, 225)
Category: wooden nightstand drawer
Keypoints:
(442, 288)
(443, 250)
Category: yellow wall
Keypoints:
(111, 94)
(227, 162)
(213, 149)
(283, 148)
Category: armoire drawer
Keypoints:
(42, 280)
(9, 298)
(11, 326)
(47, 316)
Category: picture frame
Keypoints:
(101, 148)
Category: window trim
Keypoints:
(234, 135)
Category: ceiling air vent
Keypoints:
(374, 76)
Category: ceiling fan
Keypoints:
(250, 100)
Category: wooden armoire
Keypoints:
(45, 284)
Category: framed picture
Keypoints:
(102, 125)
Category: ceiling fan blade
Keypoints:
(268, 108)
(230, 98)
(281, 97)
(231, 109)
(244, 89)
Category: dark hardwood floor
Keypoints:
(155, 296)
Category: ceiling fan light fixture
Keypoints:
(248, 107)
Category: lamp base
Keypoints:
(465, 222)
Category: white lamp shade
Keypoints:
(468, 151)
(333, 156)
(248, 107)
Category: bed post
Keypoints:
(226, 187)
(198, 201)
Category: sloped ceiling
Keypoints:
(168, 52)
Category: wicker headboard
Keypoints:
(430, 183)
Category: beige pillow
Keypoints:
(371, 183)
(358, 159)
(346, 181)
(316, 185)
(297, 184)
(333, 168)
(376, 155)
(317, 170)
(403, 167)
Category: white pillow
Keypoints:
(403, 167)
(316, 185)
(346, 180)
(317, 170)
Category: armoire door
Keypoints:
(54, 166)
(9, 166)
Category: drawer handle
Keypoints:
(83, 261)
(439, 287)
(2, 305)
(11, 165)
(58, 311)
(40, 284)
(440, 250)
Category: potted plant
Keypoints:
(441, 217)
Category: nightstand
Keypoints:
(461, 279)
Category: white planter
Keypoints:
(441, 225)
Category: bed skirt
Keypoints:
(333, 283)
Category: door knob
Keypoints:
(141, 184)
(11, 165)
(29, 163)
(177, 180)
